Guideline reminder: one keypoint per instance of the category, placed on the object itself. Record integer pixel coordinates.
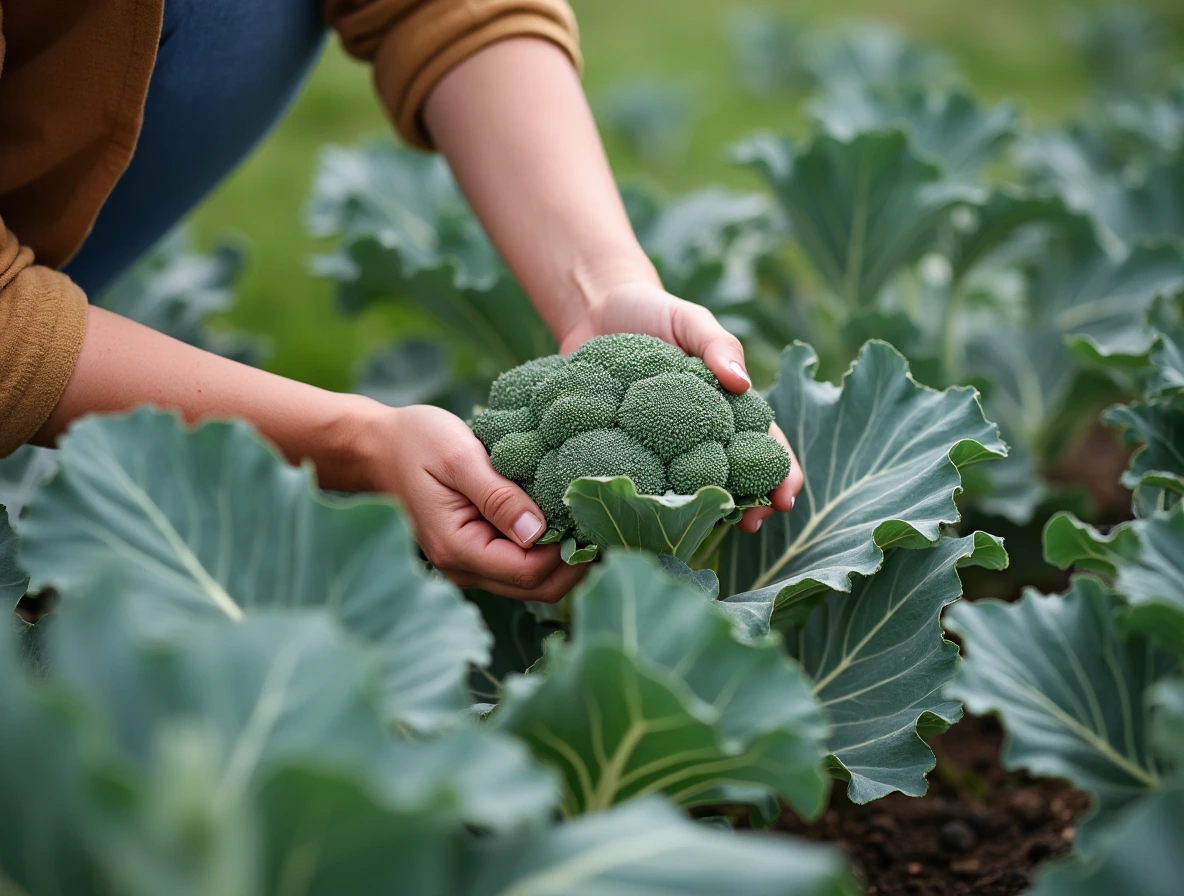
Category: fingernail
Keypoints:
(527, 527)
(792, 501)
(739, 371)
(757, 527)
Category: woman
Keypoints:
(117, 116)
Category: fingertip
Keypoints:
(783, 497)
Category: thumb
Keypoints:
(504, 504)
(698, 333)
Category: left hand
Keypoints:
(644, 307)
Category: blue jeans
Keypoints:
(225, 73)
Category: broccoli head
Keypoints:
(627, 405)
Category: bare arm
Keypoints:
(424, 456)
(516, 128)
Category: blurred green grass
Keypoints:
(1005, 47)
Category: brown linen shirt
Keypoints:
(73, 78)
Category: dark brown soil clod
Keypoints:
(980, 830)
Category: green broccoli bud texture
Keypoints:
(751, 412)
(630, 357)
(517, 455)
(671, 413)
(494, 425)
(513, 388)
(626, 405)
(575, 379)
(698, 367)
(572, 414)
(705, 464)
(757, 463)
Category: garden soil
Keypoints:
(979, 830)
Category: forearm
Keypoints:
(515, 126)
(124, 365)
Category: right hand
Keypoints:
(460, 507)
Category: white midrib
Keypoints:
(215, 592)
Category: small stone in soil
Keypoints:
(1039, 851)
(914, 867)
(1029, 807)
(957, 836)
(1069, 833)
(982, 820)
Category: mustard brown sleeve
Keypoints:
(414, 43)
(42, 323)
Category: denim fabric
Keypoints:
(225, 73)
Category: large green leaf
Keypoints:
(1071, 692)
(649, 849)
(407, 202)
(211, 522)
(862, 210)
(175, 290)
(1143, 559)
(881, 457)
(1140, 854)
(656, 693)
(615, 515)
(21, 472)
(876, 56)
(879, 665)
(1100, 302)
(1167, 363)
(1156, 472)
(277, 688)
(13, 580)
(949, 127)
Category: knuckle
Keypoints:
(499, 501)
(529, 580)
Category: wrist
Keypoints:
(592, 281)
(355, 438)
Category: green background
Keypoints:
(1012, 48)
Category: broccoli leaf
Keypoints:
(1156, 472)
(655, 693)
(881, 457)
(879, 664)
(862, 210)
(611, 510)
(950, 128)
(1140, 854)
(1144, 560)
(647, 848)
(211, 522)
(12, 578)
(1071, 692)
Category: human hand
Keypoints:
(644, 307)
(431, 461)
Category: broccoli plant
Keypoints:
(630, 406)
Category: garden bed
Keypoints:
(979, 830)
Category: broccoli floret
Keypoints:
(626, 406)
(630, 357)
(705, 464)
(601, 452)
(671, 413)
(494, 425)
(698, 367)
(517, 455)
(751, 412)
(757, 463)
(514, 387)
(571, 414)
(575, 379)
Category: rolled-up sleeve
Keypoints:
(414, 43)
(42, 324)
